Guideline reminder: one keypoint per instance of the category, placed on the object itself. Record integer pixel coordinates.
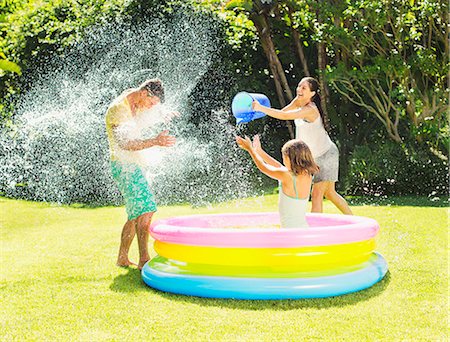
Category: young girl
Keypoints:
(294, 177)
(312, 127)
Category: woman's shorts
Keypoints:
(329, 166)
(134, 188)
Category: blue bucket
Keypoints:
(242, 106)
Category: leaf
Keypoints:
(10, 66)
(239, 4)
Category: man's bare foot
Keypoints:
(142, 263)
(125, 263)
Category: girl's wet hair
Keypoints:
(154, 87)
(300, 157)
(314, 86)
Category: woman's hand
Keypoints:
(256, 106)
(245, 144)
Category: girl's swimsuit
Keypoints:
(292, 209)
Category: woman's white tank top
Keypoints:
(292, 209)
(314, 135)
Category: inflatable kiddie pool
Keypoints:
(246, 256)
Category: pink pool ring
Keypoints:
(260, 230)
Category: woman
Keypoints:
(312, 127)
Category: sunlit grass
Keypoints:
(59, 282)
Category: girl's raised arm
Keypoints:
(265, 156)
(278, 173)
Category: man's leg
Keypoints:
(142, 227)
(128, 232)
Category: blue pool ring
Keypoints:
(267, 288)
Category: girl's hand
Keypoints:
(245, 144)
(256, 143)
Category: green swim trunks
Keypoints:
(134, 188)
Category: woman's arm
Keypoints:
(290, 106)
(308, 112)
(269, 170)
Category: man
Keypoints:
(125, 142)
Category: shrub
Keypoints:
(390, 168)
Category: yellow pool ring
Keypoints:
(181, 268)
(303, 258)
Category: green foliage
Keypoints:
(389, 168)
(48, 27)
(387, 68)
(239, 4)
(34, 30)
(394, 62)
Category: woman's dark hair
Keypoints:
(300, 157)
(154, 87)
(314, 86)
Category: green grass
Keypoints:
(59, 282)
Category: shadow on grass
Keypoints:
(132, 282)
(438, 202)
(129, 282)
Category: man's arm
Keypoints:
(162, 139)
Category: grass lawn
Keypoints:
(59, 282)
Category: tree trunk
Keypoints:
(274, 71)
(298, 45)
(322, 64)
(281, 84)
(265, 31)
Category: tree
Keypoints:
(259, 12)
(396, 63)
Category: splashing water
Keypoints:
(58, 150)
